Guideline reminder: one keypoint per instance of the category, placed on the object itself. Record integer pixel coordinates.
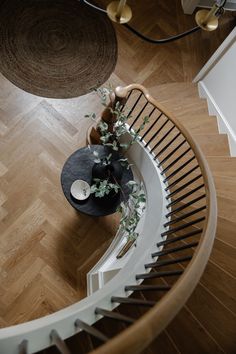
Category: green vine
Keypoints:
(132, 209)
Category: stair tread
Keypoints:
(202, 128)
(175, 91)
(193, 337)
(213, 144)
(222, 166)
(224, 256)
(226, 231)
(203, 302)
(220, 283)
(225, 186)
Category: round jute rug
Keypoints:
(55, 48)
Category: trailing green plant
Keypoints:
(100, 188)
(105, 161)
(132, 209)
(120, 128)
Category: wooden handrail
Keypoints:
(139, 335)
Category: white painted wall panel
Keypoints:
(190, 5)
(217, 83)
(221, 83)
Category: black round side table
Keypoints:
(79, 166)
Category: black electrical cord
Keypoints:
(164, 40)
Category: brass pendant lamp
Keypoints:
(119, 11)
(208, 20)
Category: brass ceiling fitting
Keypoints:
(208, 20)
(119, 11)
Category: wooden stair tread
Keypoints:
(213, 144)
(222, 165)
(227, 208)
(217, 314)
(224, 256)
(199, 126)
(219, 273)
(225, 186)
(226, 231)
(198, 303)
(188, 340)
(164, 343)
(180, 91)
(220, 283)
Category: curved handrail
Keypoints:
(144, 330)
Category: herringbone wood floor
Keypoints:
(46, 247)
(44, 242)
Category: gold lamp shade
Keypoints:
(206, 22)
(119, 11)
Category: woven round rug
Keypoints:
(55, 48)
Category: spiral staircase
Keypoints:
(141, 304)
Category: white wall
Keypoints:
(217, 83)
(190, 5)
(221, 83)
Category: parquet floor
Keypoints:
(43, 240)
(44, 243)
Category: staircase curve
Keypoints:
(176, 238)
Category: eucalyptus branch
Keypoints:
(109, 138)
(103, 187)
(131, 209)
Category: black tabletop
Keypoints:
(79, 166)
